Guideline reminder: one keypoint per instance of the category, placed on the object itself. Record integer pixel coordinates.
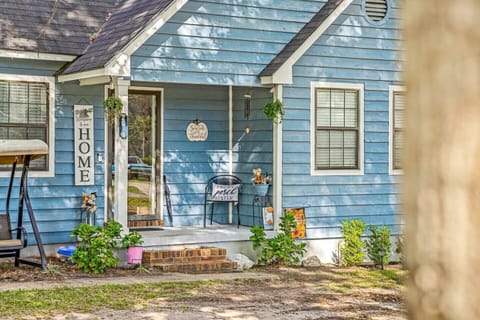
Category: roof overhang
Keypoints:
(32, 55)
(284, 74)
(119, 65)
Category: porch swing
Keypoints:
(20, 152)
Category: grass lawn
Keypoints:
(328, 281)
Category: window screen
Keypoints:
(398, 125)
(336, 129)
(24, 113)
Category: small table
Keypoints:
(260, 201)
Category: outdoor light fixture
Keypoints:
(247, 104)
(381, 253)
(123, 126)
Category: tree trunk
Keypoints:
(442, 158)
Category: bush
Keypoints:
(352, 250)
(94, 252)
(379, 239)
(280, 250)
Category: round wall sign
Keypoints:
(197, 131)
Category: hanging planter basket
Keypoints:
(261, 189)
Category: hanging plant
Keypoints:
(113, 108)
(274, 111)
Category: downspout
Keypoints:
(277, 161)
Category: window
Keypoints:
(397, 110)
(337, 129)
(25, 112)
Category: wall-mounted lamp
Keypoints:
(123, 123)
(247, 104)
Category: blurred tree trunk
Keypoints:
(442, 160)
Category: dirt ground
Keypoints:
(280, 294)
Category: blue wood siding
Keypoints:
(189, 164)
(353, 51)
(221, 42)
(56, 201)
(251, 150)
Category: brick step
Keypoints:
(160, 257)
(190, 260)
(200, 267)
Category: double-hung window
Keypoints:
(337, 128)
(397, 110)
(25, 112)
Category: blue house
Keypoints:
(193, 77)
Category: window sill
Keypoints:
(347, 172)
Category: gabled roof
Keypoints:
(279, 70)
(50, 26)
(125, 24)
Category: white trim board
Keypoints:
(51, 121)
(361, 92)
(284, 73)
(31, 55)
(391, 90)
(120, 63)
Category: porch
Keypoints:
(235, 240)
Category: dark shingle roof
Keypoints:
(124, 25)
(300, 37)
(51, 26)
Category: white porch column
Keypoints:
(121, 159)
(277, 162)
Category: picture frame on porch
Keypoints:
(267, 216)
(299, 215)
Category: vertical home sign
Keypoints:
(84, 161)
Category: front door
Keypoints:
(144, 198)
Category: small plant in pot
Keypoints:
(261, 182)
(133, 242)
(113, 108)
(274, 111)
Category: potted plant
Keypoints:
(274, 111)
(113, 108)
(133, 242)
(261, 182)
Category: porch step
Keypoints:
(190, 260)
(146, 223)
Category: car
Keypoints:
(136, 168)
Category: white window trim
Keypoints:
(337, 85)
(51, 122)
(391, 91)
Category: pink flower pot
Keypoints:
(134, 255)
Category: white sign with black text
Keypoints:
(84, 145)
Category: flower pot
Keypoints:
(261, 189)
(134, 255)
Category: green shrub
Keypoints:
(352, 250)
(132, 239)
(378, 239)
(94, 252)
(280, 250)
